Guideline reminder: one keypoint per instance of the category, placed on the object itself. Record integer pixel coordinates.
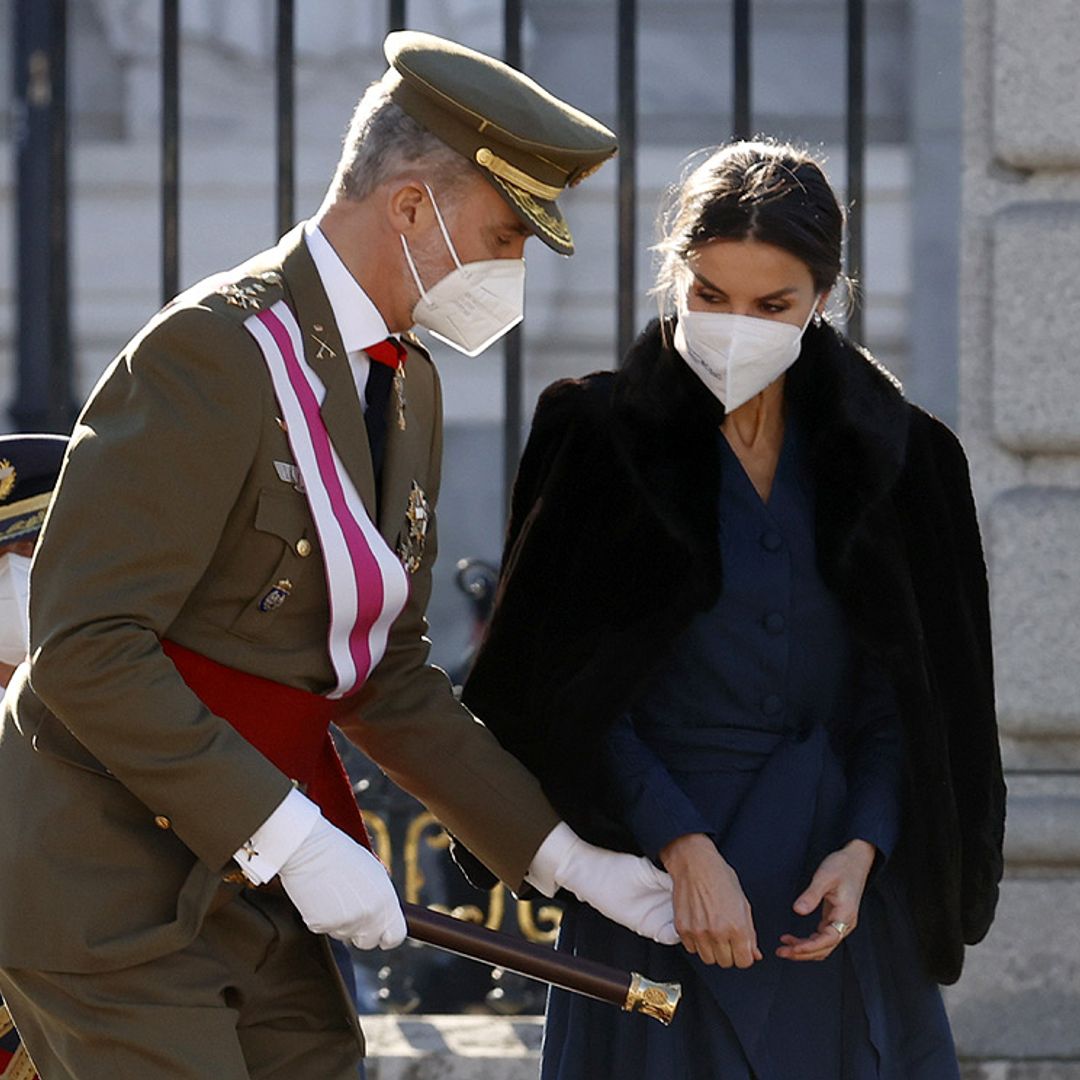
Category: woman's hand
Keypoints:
(837, 888)
(712, 914)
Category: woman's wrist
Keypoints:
(684, 848)
(863, 851)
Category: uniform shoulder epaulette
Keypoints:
(251, 292)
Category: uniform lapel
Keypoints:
(341, 411)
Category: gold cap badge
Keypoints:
(7, 478)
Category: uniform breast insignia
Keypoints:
(288, 473)
(276, 596)
(417, 516)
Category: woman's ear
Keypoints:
(820, 306)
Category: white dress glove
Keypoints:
(628, 889)
(341, 889)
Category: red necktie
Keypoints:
(389, 352)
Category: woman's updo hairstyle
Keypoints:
(766, 191)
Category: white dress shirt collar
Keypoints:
(358, 319)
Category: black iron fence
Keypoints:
(44, 393)
(408, 839)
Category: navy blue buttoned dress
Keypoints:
(767, 730)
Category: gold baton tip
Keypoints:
(656, 999)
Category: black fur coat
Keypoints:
(613, 547)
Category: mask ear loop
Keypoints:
(442, 227)
(446, 237)
(412, 266)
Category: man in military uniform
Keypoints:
(239, 552)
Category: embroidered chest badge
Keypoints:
(417, 515)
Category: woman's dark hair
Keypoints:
(767, 191)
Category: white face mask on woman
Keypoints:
(14, 619)
(475, 304)
(737, 356)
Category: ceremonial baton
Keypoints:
(629, 990)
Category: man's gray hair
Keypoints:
(384, 142)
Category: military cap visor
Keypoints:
(526, 142)
(29, 467)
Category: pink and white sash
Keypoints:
(367, 585)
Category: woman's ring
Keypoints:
(839, 927)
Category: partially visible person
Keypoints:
(29, 466)
(743, 629)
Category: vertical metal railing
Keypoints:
(740, 69)
(856, 156)
(170, 149)
(513, 374)
(285, 111)
(626, 248)
(42, 328)
(44, 360)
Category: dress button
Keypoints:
(771, 540)
(774, 622)
(771, 704)
(303, 548)
(162, 822)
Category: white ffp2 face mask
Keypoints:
(737, 356)
(475, 304)
(14, 618)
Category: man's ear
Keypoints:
(408, 206)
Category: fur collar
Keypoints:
(664, 423)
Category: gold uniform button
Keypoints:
(303, 548)
(162, 822)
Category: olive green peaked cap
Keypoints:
(530, 145)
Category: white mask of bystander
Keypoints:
(737, 356)
(14, 618)
(475, 304)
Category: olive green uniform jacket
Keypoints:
(122, 797)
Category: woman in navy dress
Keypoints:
(742, 629)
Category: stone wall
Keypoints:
(1020, 420)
